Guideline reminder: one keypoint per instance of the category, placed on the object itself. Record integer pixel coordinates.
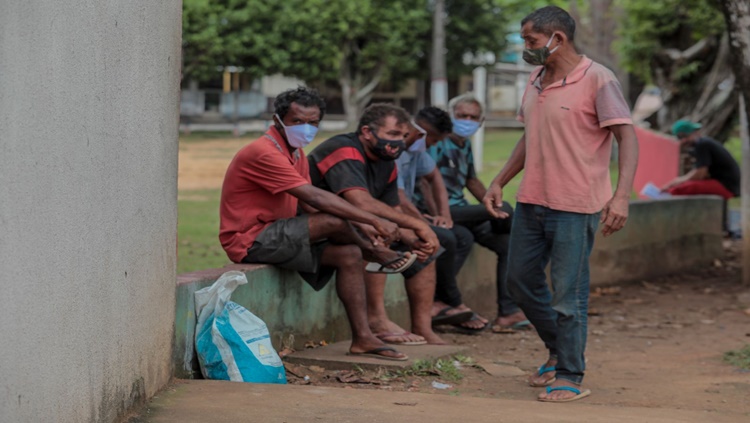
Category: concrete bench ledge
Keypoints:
(661, 237)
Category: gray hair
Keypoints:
(464, 98)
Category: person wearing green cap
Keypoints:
(715, 171)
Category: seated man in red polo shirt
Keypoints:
(262, 188)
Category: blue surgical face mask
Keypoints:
(465, 128)
(298, 136)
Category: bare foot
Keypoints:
(431, 337)
(370, 344)
(544, 379)
(393, 333)
(509, 320)
(477, 322)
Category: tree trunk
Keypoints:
(737, 17)
(705, 95)
(595, 43)
(357, 87)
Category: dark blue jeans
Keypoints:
(539, 236)
(457, 243)
(493, 234)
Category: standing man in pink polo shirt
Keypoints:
(571, 109)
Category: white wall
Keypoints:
(89, 97)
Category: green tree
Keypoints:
(218, 33)
(475, 28)
(681, 47)
(354, 44)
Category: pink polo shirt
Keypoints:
(568, 141)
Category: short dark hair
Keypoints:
(437, 118)
(375, 114)
(304, 96)
(549, 19)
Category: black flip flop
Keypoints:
(374, 267)
(375, 353)
(470, 331)
(443, 318)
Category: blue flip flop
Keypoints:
(579, 394)
(542, 370)
(522, 325)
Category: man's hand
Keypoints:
(493, 201)
(418, 246)
(440, 221)
(614, 215)
(387, 230)
(369, 232)
(443, 221)
(422, 241)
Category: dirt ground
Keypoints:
(202, 164)
(656, 343)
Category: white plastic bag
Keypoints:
(232, 343)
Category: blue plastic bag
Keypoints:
(232, 343)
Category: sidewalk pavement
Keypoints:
(231, 402)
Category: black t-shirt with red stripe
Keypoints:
(340, 164)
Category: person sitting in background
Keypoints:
(360, 168)
(715, 171)
(455, 162)
(428, 126)
(263, 185)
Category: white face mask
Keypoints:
(298, 136)
(420, 144)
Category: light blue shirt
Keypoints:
(412, 165)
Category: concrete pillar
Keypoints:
(745, 191)
(89, 105)
(480, 92)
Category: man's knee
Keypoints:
(326, 223)
(463, 235)
(345, 256)
(420, 273)
(446, 237)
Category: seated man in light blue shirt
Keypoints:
(455, 162)
(430, 125)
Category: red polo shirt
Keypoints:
(253, 194)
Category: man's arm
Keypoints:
(426, 189)
(440, 195)
(476, 188)
(362, 199)
(615, 212)
(327, 202)
(407, 206)
(694, 175)
(493, 199)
